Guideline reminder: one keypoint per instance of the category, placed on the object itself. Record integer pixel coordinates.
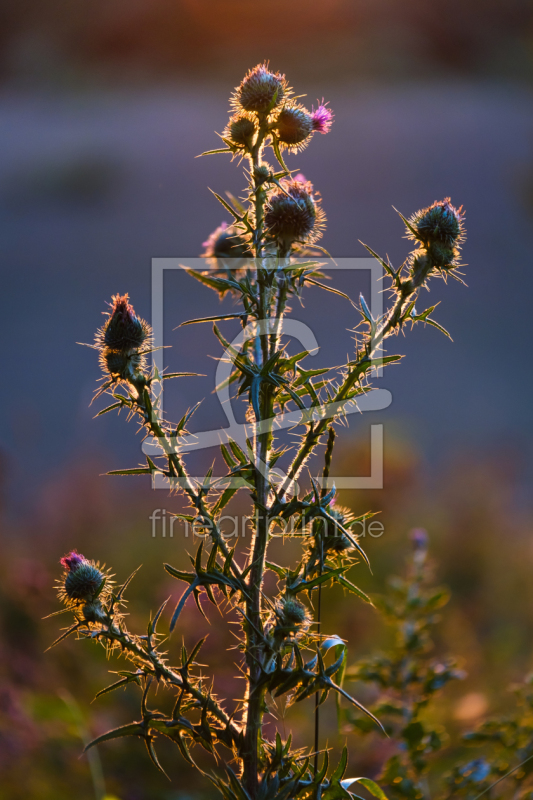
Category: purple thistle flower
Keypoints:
(123, 332)
(84, 582)
(457, 212)
(322, 118)
(225, 242)
(210, 242)
(72, 560)
(122, 307)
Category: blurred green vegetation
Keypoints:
(479, 527)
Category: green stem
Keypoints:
(318, 629)
(255, 696)
(197, 500)
(254, 627)
(325, 474)
(254, 644)
(152, 661)
(281, 302)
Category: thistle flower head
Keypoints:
(260, 90)
(293, 214)
(293, 126)
(240, 130)
(292, 618)
(226, 242)
(322, 118)
(441, 223)
(120, 340)
(331, 536)
(443, 256)
(262, 173)
(83, 580)
(293, 611)
(123, 330)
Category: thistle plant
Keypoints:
(408, 678)
(265, 256)
(507, 763)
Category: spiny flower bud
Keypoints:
(225, 242)
(322, 118)
(293, 612)
(120, 340)
(293, 214)
(293, 126)
(260, 90)
(240, 130)
(123, 330)
(443, 256)
(292, 619)
(439, 223)
(262, 173)
(84, 580)
(84, 583)
(122, 364)
(332, 537)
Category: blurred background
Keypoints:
(104, 106)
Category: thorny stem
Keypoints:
(151, 659)
(255, 158)
(325, 475)
(255, 701)
(281, 302)
(254, 694)
(318, 627)
(195, 497)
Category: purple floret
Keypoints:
(322, 118)
(72, 560)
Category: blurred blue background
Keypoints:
(101, 124)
